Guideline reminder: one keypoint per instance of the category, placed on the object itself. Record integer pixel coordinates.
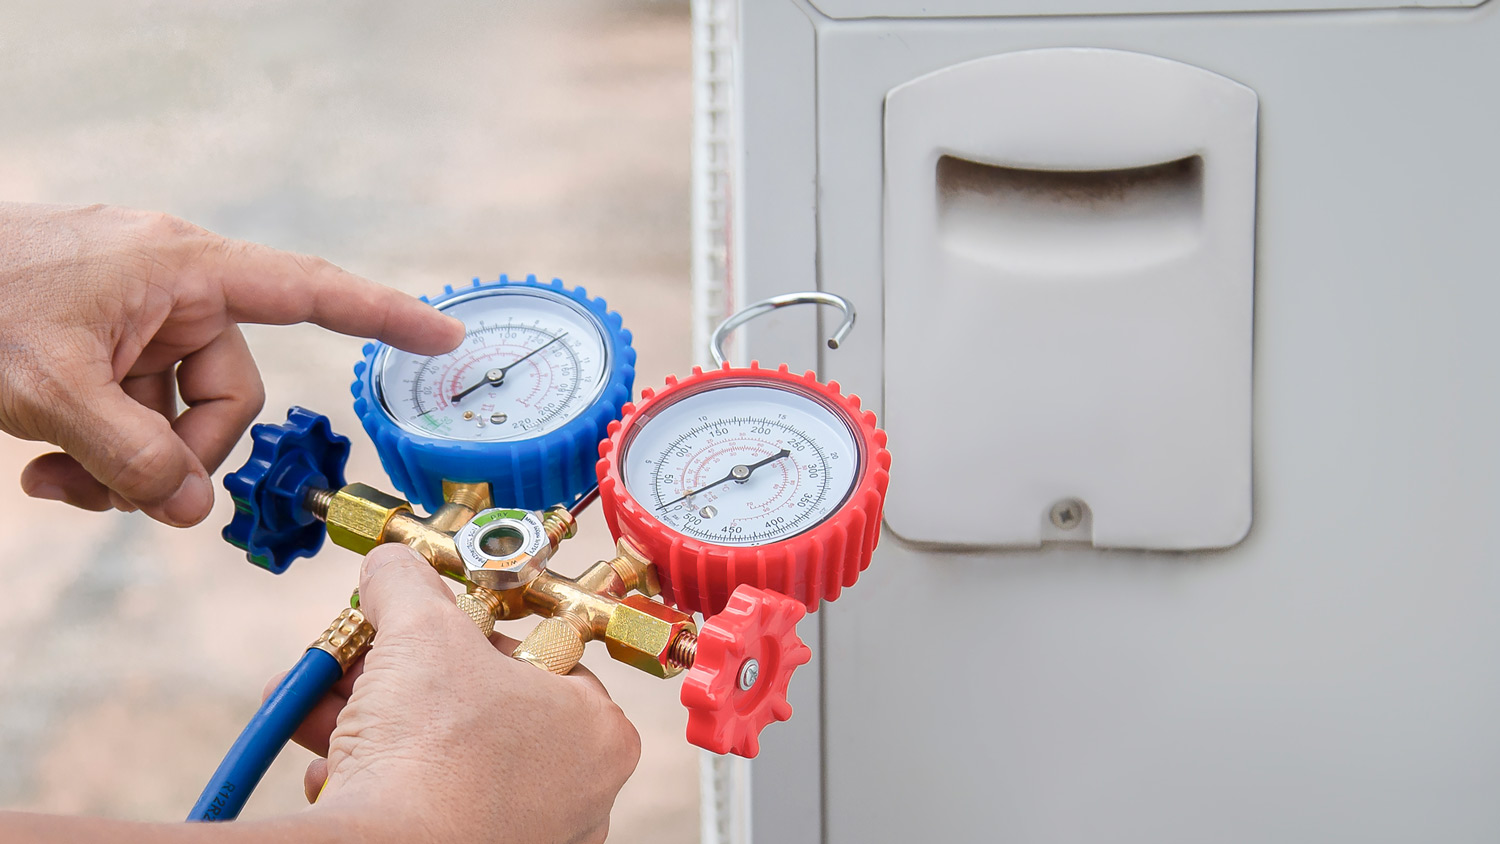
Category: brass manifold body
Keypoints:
(598, 604)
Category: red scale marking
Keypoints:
(712, 467)
(462, 373)
(458, 377)
(783, 490)
(542, 382)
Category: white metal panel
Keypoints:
(853, 9)
(1069, 249)
(1332, 678)
(714, 29)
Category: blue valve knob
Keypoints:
(272, 522)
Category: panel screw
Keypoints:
(749, 673)
(1068, 513)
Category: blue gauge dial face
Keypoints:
(530, 362)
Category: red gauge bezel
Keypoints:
(812, 566)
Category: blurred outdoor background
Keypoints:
(418, 144)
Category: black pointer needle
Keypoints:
(738, 473)
(496, 377)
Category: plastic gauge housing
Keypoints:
(521, 404)
(747, 476)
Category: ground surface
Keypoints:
(417, 144)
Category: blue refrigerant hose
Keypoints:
(265, 735)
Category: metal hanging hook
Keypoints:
(764, 306)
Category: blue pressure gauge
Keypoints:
(522, 403)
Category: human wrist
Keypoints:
(314, 825)
(347, 819)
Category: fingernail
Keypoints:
(191, 502)
(49, 492)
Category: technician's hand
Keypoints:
(441, 737)
(108, 314)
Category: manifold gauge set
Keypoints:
(739, 499)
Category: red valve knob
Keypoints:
(744, 661)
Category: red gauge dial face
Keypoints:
(741, 463)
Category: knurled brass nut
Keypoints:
(358, 514)
(641, 631)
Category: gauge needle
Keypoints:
(739, 474)
(496, 377)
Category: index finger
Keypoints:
(267, 285)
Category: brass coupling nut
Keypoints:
(651, 636)
(358, 515)
(346, 638)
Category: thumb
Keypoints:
(402, 595)
(133, 450)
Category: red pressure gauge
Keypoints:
(747, 476)
(758, 494)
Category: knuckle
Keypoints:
(617, 738)
(312, 264)
(28, 399)
(225, 249)
(255, 402)
(167, 226)
(629, 749)
(254, 399)
(149, 473)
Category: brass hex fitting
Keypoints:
(641, 633)
(358, 515)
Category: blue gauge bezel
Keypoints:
(532, 473)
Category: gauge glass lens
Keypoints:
(741, 464)
(531, 361)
